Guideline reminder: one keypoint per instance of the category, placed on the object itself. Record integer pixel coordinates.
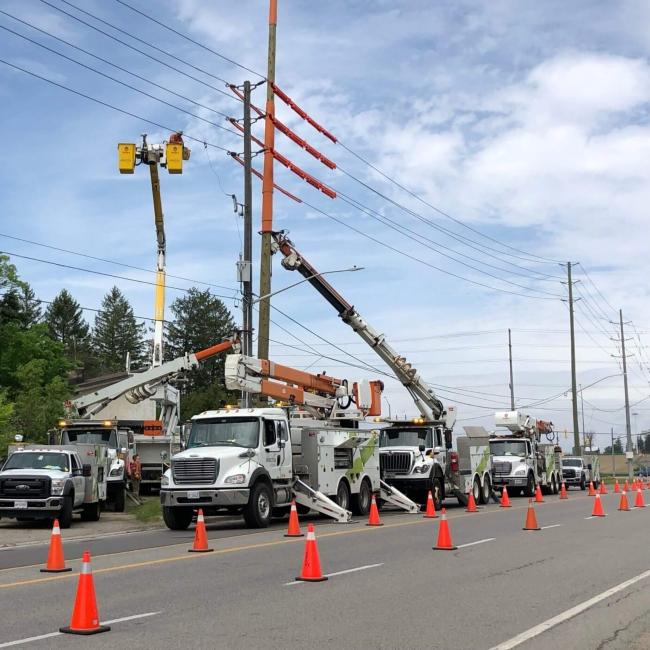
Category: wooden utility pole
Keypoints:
(267, 193)
(574, 391)
(247, 302)
(628, 430)
(512, 381)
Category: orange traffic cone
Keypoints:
(538, 494)
(626, 487)
(294, 527)
(431, 507)
(647, 487)
(311, 571)
(638, 502)
(200, 536)
(444, 542)
(531, 519)
(623, 505)
(55, 559)
(505, 499)
(373, 517)
(617, 487)
(471, 504)
(603, 487)
(563, 492)
(598, 507)
(592, 492)
(85, 616)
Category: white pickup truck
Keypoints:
(581, 470)
(42, 482)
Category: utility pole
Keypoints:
(267, 192)
(628, 447)
(613, 455)
(247, 302)
(574, 395)
(582, 411)
(512, 383)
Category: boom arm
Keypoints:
(429, 406)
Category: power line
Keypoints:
(191, 40)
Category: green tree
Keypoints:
(6, 423)
(200, 320)
(8, 274)
(64, 318)
(117, 333)
(618, 446)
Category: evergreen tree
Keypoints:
(64, 318)
(200, 320)
(19, 305)
(117, 333)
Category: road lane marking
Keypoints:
(568, 614)
(551, 526)
(480, 541)
(9, 644)
(338, 573)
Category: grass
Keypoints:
(148, 512)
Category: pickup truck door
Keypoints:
(78, 480)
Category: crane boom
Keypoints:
(429, 406)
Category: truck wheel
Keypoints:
(554, 485)
(529, 490)
(343, 495)
(65, 515)
(177, 518)
(361, 501)
(257, 512)
(90, 512)
(437, 492)
(476, 490)
(486, 491)
(120, 498)
(583, 483)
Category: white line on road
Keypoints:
(8, 644)
(337, 573)
(569, 613)
(480, 541)
(551, 526)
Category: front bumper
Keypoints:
(514, 481)
(202, 497)
(409, 485)
(36, 508)
(572, 480)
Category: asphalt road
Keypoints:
(580, 582)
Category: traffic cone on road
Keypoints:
(598, 507)
(200, 536)
(505, 499)
(617, 487)
(563, 492)
(85, 615)
(311, 571)
(531, 519)
(626, 487)
(623, 505)
(55, 560)
(603, 487)
(538, 494)
(638, 502)
(444, 542)
(635, 485)
(373, 517)
(592, 492)
(431, 507)
(294, 527)
(471, 504)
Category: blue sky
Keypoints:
(526, 121)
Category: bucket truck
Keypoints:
(117, 433)
(415, 456)
(254, 461)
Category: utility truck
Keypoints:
(520, 460)
(415, 456)
(45, 482)
(581, 470)
(254, 461)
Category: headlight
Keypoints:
(238, 479)
(422, 469)
(57, 486)
(164, 480)
(520, 471)
(116, 471)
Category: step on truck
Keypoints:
(520, 460)
(45, 482)
(581, 470)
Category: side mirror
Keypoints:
(589, 467)
(163, 455)
(421, 448)
(282, 444)
(86, 470)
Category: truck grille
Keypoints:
(501, 469)
(25, 487)
(569, 473)
(195, 471)
(397, 462)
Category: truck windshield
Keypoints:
(241, 432)
(38, 460)
(508, 448)
(90, 436)
(571, 462)
(405, 438)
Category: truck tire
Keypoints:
(554, 485)
(437, 490)
(91, 512)
(476, 490)
(583, 483)
(257, 512)
(343, 495)
(177, 518)
(65, 514)
(486, 491)
(529, 490)
(361, 501)
(120, 499)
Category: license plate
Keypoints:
(20, 504)
(389, 475)
(193, 494)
